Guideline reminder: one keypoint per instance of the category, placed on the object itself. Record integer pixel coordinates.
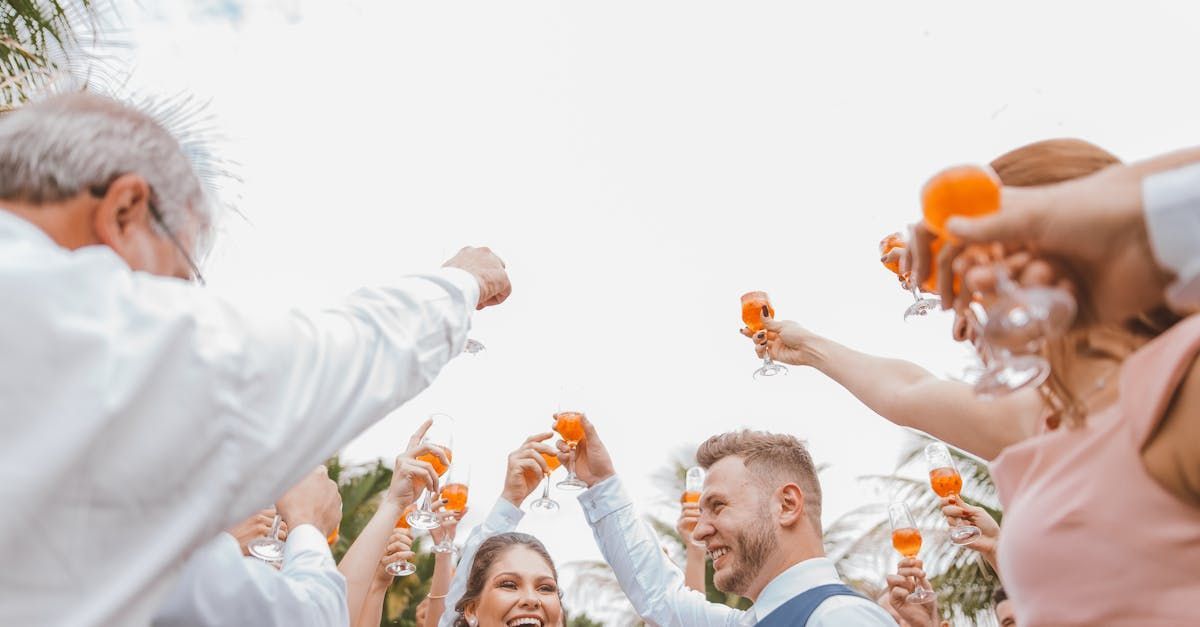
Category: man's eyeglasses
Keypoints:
(158, 217)
(100, 190)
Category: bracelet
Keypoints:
(437, 596)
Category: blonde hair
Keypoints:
(776, 458)
(1053, 161)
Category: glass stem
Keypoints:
(425, 504)
(915, 292)
(275, 527)
(546, 491)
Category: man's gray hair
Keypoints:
(53, 149)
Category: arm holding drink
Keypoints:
(409, 477)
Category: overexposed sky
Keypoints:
(639, 165)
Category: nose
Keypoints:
(703, 530)
(529, 599)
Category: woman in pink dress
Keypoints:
(1098, 469)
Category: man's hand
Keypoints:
(689, 515)
(411, 475)
(256, 526)
(901, 585)
(526, 468)
(785, 340)
(488, 269)
(315, 501)
(591, 459)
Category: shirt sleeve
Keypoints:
(301, 385)
(653, 584)
(1172, 204)
(503, 518)
(220, 587)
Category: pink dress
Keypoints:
(1089, 537)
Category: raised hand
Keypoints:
(526, 468)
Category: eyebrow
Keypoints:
(709, 497)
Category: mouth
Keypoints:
(525, 620)
(717, 554)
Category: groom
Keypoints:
(760, 520)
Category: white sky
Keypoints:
(639, 165)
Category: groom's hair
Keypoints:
(775, 458)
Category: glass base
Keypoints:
(922, 307)
(266, 549)
(544, 505)
(420, 519)
(400, 569)
(473, 347)
(571, 483)
(770, 370)
(965, 534)
(921, 595)
(1012, 374)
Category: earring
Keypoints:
(472, 621)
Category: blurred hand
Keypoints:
(315, 501)
(526, 468)
(399, 547)
(787, 342)
(689, 515)
(488, 269)
(256, 526)
(1095, 224)
(449, 524)
(958, 512)
(591, 459)
(410, 475)
(901, 585)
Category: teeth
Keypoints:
(717, 554)
(525, 621)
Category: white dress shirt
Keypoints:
(503, 518)
(1172, 203)
(655, 585)
(141, 415)
(218, 587)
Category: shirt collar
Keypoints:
(800, 578)
(15, 227)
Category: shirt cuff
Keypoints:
(603, 499)
(465, 282)
(1172, 203)
(303, 539)
(504, 515)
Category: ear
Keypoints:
(791, 505)
(124, 209)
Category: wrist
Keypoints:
(513, 497)
(815, 350)
(600, 478)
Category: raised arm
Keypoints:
(910, 396)
(300, 386)
(361, 561)
(651, 582)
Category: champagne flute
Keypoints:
(922, 305)
(906, 539)
(945, 481)
(268, 548)
(755, 307)
(441, 435)
(402, 568)
(569, 424)
(693, 485)
(1005, 372)
(545, 504)
(454, 492)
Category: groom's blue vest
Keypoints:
(796, 612)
